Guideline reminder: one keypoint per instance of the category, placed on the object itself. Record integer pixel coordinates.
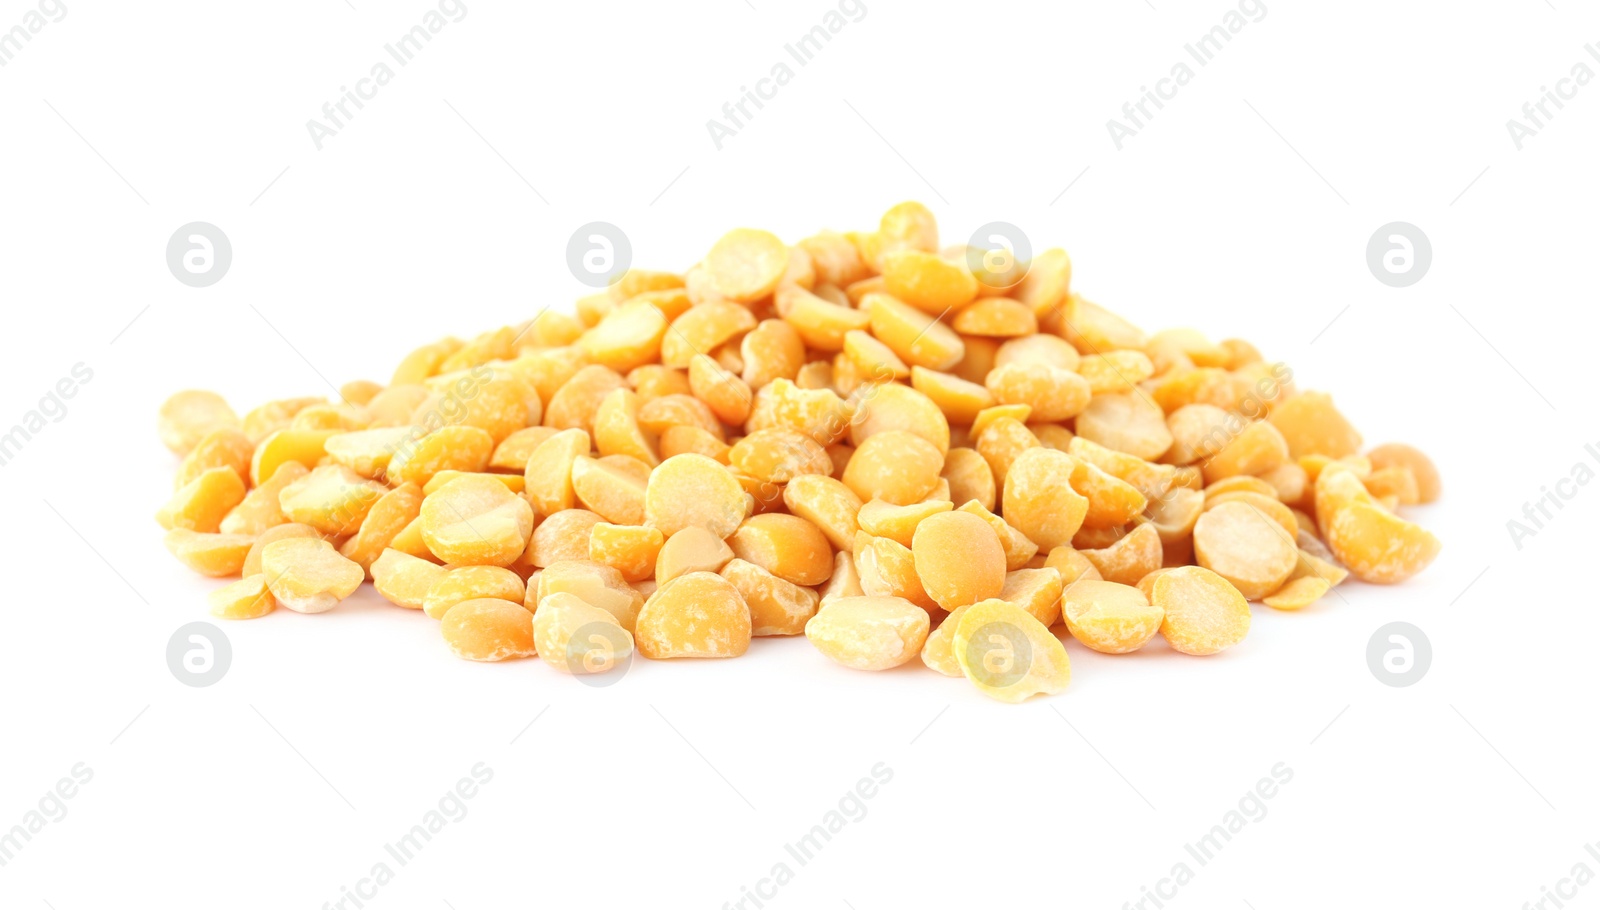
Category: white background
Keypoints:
(445, 207)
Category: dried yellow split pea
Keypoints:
(694, 615)
(1240, 543)
(488, 629)
(474, 520)
(693, 491)
(869, 633)
(188, 417)
(895, 466)
(252, 560)
(224, 447)
(405, 580)
(1036, 590)
(202, 503)
(1202, 613)
(596, 584)
(333, 499)
(1109, 617)
(938, 651)
(1039, 500)
(1400, 455)
(958, 559)
(1008, 654)
(745, 264)
(260, 510)
(777, 607)
(578, 638)
(630, 549)
(247, 598)
(788, 546)
(1297, 593)
(470, 583)
(215, 555)
(308, 575)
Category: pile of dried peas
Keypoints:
(892, 449)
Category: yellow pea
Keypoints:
(927, 281)
(333, 499)
(869, 633)
(209, 554)
(188, 417)
(597, 585)
(1109, 617)
(404, 580)
(777, 606)
(1297, 593)
(788, 546)
(488, 629)
(247, 598)
(1008, 654)
(575, 637)
(693, 491)
(202, 503)
(455, 448)
(1202, 612)
(476, 521)
(1400, 455)
(746, 264)
(307, 575)
(1242, 544)
(469, 583)
(694, 615)
(630, 549)
(958, 559)
(895, 466)
(260, 509)
(1039, 500)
